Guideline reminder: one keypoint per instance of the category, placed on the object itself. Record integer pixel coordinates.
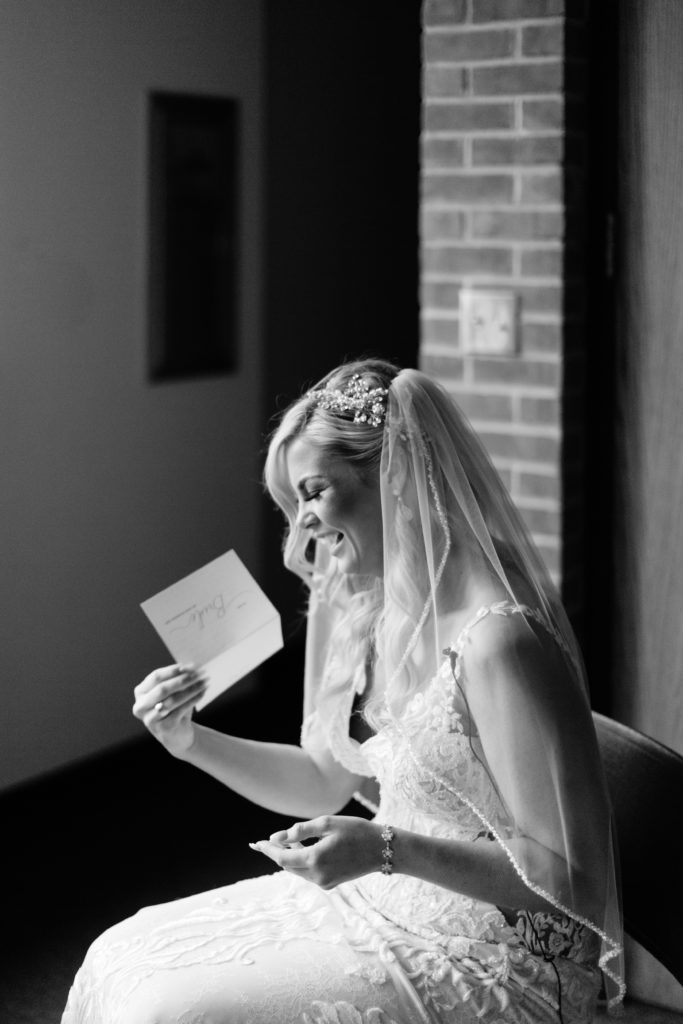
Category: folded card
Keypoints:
(217, 619)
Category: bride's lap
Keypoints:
(279, 950)
(268, 951)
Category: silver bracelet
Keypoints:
(388, 851)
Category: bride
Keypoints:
(443, 674)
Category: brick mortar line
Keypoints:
(477, 170)
(480, 277)
(483, 243)
(497, 390)
(518, 37)
(496, 283)
(548, 469)
(506, 133)
(493, 207)
(475, 278)
(487, 26)
(440, 171)
(497, 99)
(516, 57)
(503, 133)
(507, 239)
(507, 428)
(547, 167)
(543, 97)
(542, 319)
(494, 389)
(502, 97)
(546, 358)
(527, 316)
(537, 504)
(513, 428)
(517, 105)
(549, 473)
(542, 281)
(456, 386)
(496, 62)
(517, 189)
(449, 314)
(479, 243)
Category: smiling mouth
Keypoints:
(333, 541)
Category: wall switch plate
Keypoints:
(488, 321)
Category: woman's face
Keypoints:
(340, 507)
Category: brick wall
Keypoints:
(501, 177)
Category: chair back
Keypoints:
(645, 781)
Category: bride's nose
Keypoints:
(306, 519)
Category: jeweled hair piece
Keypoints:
(368, 404)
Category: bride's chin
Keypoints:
(347, 565)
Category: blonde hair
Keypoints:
(358, 444)
(334, 433)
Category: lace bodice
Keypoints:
(426, 743)
(431, 781)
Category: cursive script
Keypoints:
(199, 614)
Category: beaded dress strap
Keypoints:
(455, 650)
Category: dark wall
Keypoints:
(342, 157)
(343, 114)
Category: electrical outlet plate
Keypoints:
(488, 321)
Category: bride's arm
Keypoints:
(537, 744)
(279, 777)
(480, 870)
(351, 847)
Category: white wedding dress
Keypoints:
(377, 950)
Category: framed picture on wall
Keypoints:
(193, 235)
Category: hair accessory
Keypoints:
(388, 851)
(367, 404)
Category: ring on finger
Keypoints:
(160, 707)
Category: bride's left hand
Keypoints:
(346, 848)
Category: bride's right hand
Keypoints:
(164, 702)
